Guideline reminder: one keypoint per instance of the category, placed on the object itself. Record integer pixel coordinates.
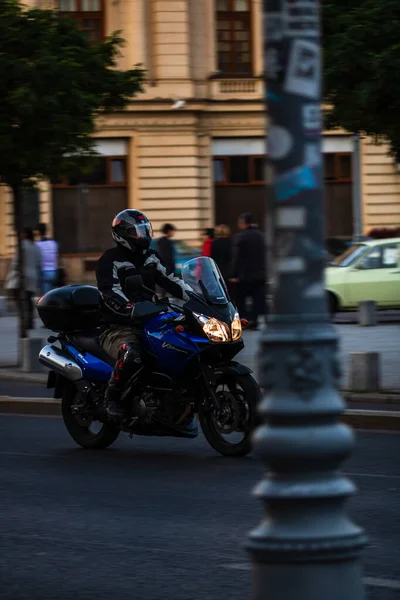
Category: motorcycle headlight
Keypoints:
(215, 330)
(236, 328)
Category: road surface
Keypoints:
(157, 518)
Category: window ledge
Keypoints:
(237, 88)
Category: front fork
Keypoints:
(208, 383)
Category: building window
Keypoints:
(239, 170)
(234, 37)
(337, 167)
(88, 15)
(104, 171)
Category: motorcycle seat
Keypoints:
(91, 344)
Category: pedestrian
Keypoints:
(208, 242)
(166, 248)
(249, 270)
(49, 253)
(221, 252)
(32, 270)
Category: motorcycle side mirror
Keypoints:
(133, 284)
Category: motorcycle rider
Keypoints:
(132, 232)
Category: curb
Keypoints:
(378, 397)
(359, 419)
(22, 377)
(30, 406)
(373, 419)
(372, 397)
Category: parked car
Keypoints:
(183, 253)
(366, 271)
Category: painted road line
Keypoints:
(392, 584)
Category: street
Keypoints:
(157, 518)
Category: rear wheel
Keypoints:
(81, 423)
(229, 430)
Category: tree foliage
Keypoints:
(54, 85)
(362, 67)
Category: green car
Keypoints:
(365, 271)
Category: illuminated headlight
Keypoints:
(215, 330)
(236, 328)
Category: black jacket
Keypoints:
(221, 252)
(116, 265)
(249, 261)
(165, 248)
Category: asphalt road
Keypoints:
(156, 518)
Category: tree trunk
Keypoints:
(17, 196)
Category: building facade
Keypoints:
(190, 149)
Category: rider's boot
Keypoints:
(128, 363)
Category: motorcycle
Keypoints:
(188, 353)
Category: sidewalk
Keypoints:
(352, 338)
(382, 338)
(9, 339)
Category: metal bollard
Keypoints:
(30, 348)
(367, 314)
(365, 371)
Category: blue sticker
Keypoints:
(293, 182)
(273, 97)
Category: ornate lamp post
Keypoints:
(305, 548)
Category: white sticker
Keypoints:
(284, 243)
(291, 264)
(291, 217)
(300, 18)
(280, 142)
(312, 119)
(312, 155)
(273, 66)
(274, 26)
(303, 75)
(316, 290)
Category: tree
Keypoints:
(362, 67)
(54, 86)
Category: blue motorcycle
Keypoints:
(188, 353)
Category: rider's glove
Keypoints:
(145, 310)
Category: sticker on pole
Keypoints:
(273, 65)
(280, 142)
(300, 18)
(312, 155)
(273, 26)
(312, 120)
(303, 75)
(294, 182)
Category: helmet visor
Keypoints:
(143, 231)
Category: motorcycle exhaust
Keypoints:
(61, 362)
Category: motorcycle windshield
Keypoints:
(204, 279)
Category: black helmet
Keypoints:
(132, 229)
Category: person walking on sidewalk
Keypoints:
(166, 248)
(49, 253)
(249, 269)
(32, 267)
(208, 241)
(221, 252)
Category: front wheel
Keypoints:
(229, 429)
(81, 423)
